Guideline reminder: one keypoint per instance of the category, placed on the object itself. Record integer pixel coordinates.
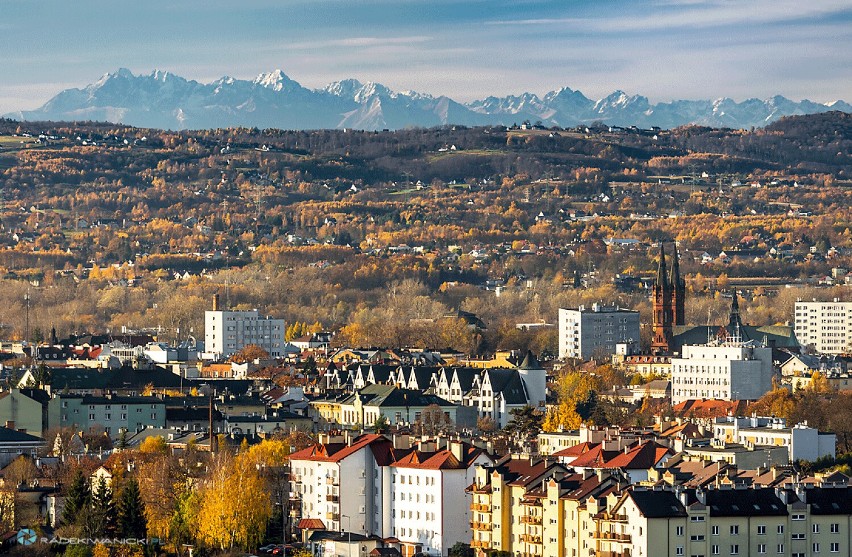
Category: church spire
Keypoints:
(675, 280)
(662, 279)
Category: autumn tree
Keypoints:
(235, 505)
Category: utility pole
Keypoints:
(27, 328)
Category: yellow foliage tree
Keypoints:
(235, 505)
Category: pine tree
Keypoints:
(131, 521)
(101, 517)
(122, 439)
(77, 501)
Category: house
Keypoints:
(110, 414)
(14, 443)
(26, 409)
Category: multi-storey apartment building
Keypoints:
(108, 413)
(826, 326)
(227, 332)
(795, 521)
(802, 442)
(372, 487)
(729, 370)
(537, 508)
(584, 332)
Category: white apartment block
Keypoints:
(802, 442)
(227, 332)
(416, 494)
(731, 370)
(827, 326)
(586, 332)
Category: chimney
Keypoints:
(457, 448)
(10, 424)
(215, 302)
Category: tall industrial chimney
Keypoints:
(215, 302)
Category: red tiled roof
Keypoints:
(594, 458)
(335, 452)
(576, 450)
(642, 457)
(311, 524)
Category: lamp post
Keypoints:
(27, 329)
(348, 534)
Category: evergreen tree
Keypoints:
(122, 439)
(101, 516)
(77, 501)
(131, 521)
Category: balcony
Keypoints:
(333, 516)
(484, 544)
(613, 537)
(625, 553)
(531, 519)
(480, 525)
(331, 481)
(615, 518)
(479, 507)
(530, 538)
(332, 498)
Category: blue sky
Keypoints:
(664, 49)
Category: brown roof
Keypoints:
(310, 524)
(576, 450)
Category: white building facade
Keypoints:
(731, 370)
(584, 332)
(227, 332)
(802, 442)
(827, 326)
(416, 495)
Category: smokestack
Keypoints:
(215, 302)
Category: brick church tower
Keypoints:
(669, 303)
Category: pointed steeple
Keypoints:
(675, 276)
(662, 279)
(735, 324)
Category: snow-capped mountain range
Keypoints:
(273, 100)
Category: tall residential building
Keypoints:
(669, 303)
(587, 332)
(729, 370)
(373, 486)
(795, 521)
(227, 332)
(827, 326)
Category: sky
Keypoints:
(466, 49)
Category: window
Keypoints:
(714, 550)
(781, 548)
(797, 517)
(797, 536)
(735, 529)
(679, 550)
(678, 530)
(91, 416)
(780, 528)
(696, 518)
(815, 528)
(761, 530)
(835, 528)
(735, 549)
(696, 538)
(835, 547)
(816, 548)
(715, 530)
(761, 548)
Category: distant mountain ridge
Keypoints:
(273, 100)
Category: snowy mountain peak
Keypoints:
(165, 100)
(275, 80)
(345, 88)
